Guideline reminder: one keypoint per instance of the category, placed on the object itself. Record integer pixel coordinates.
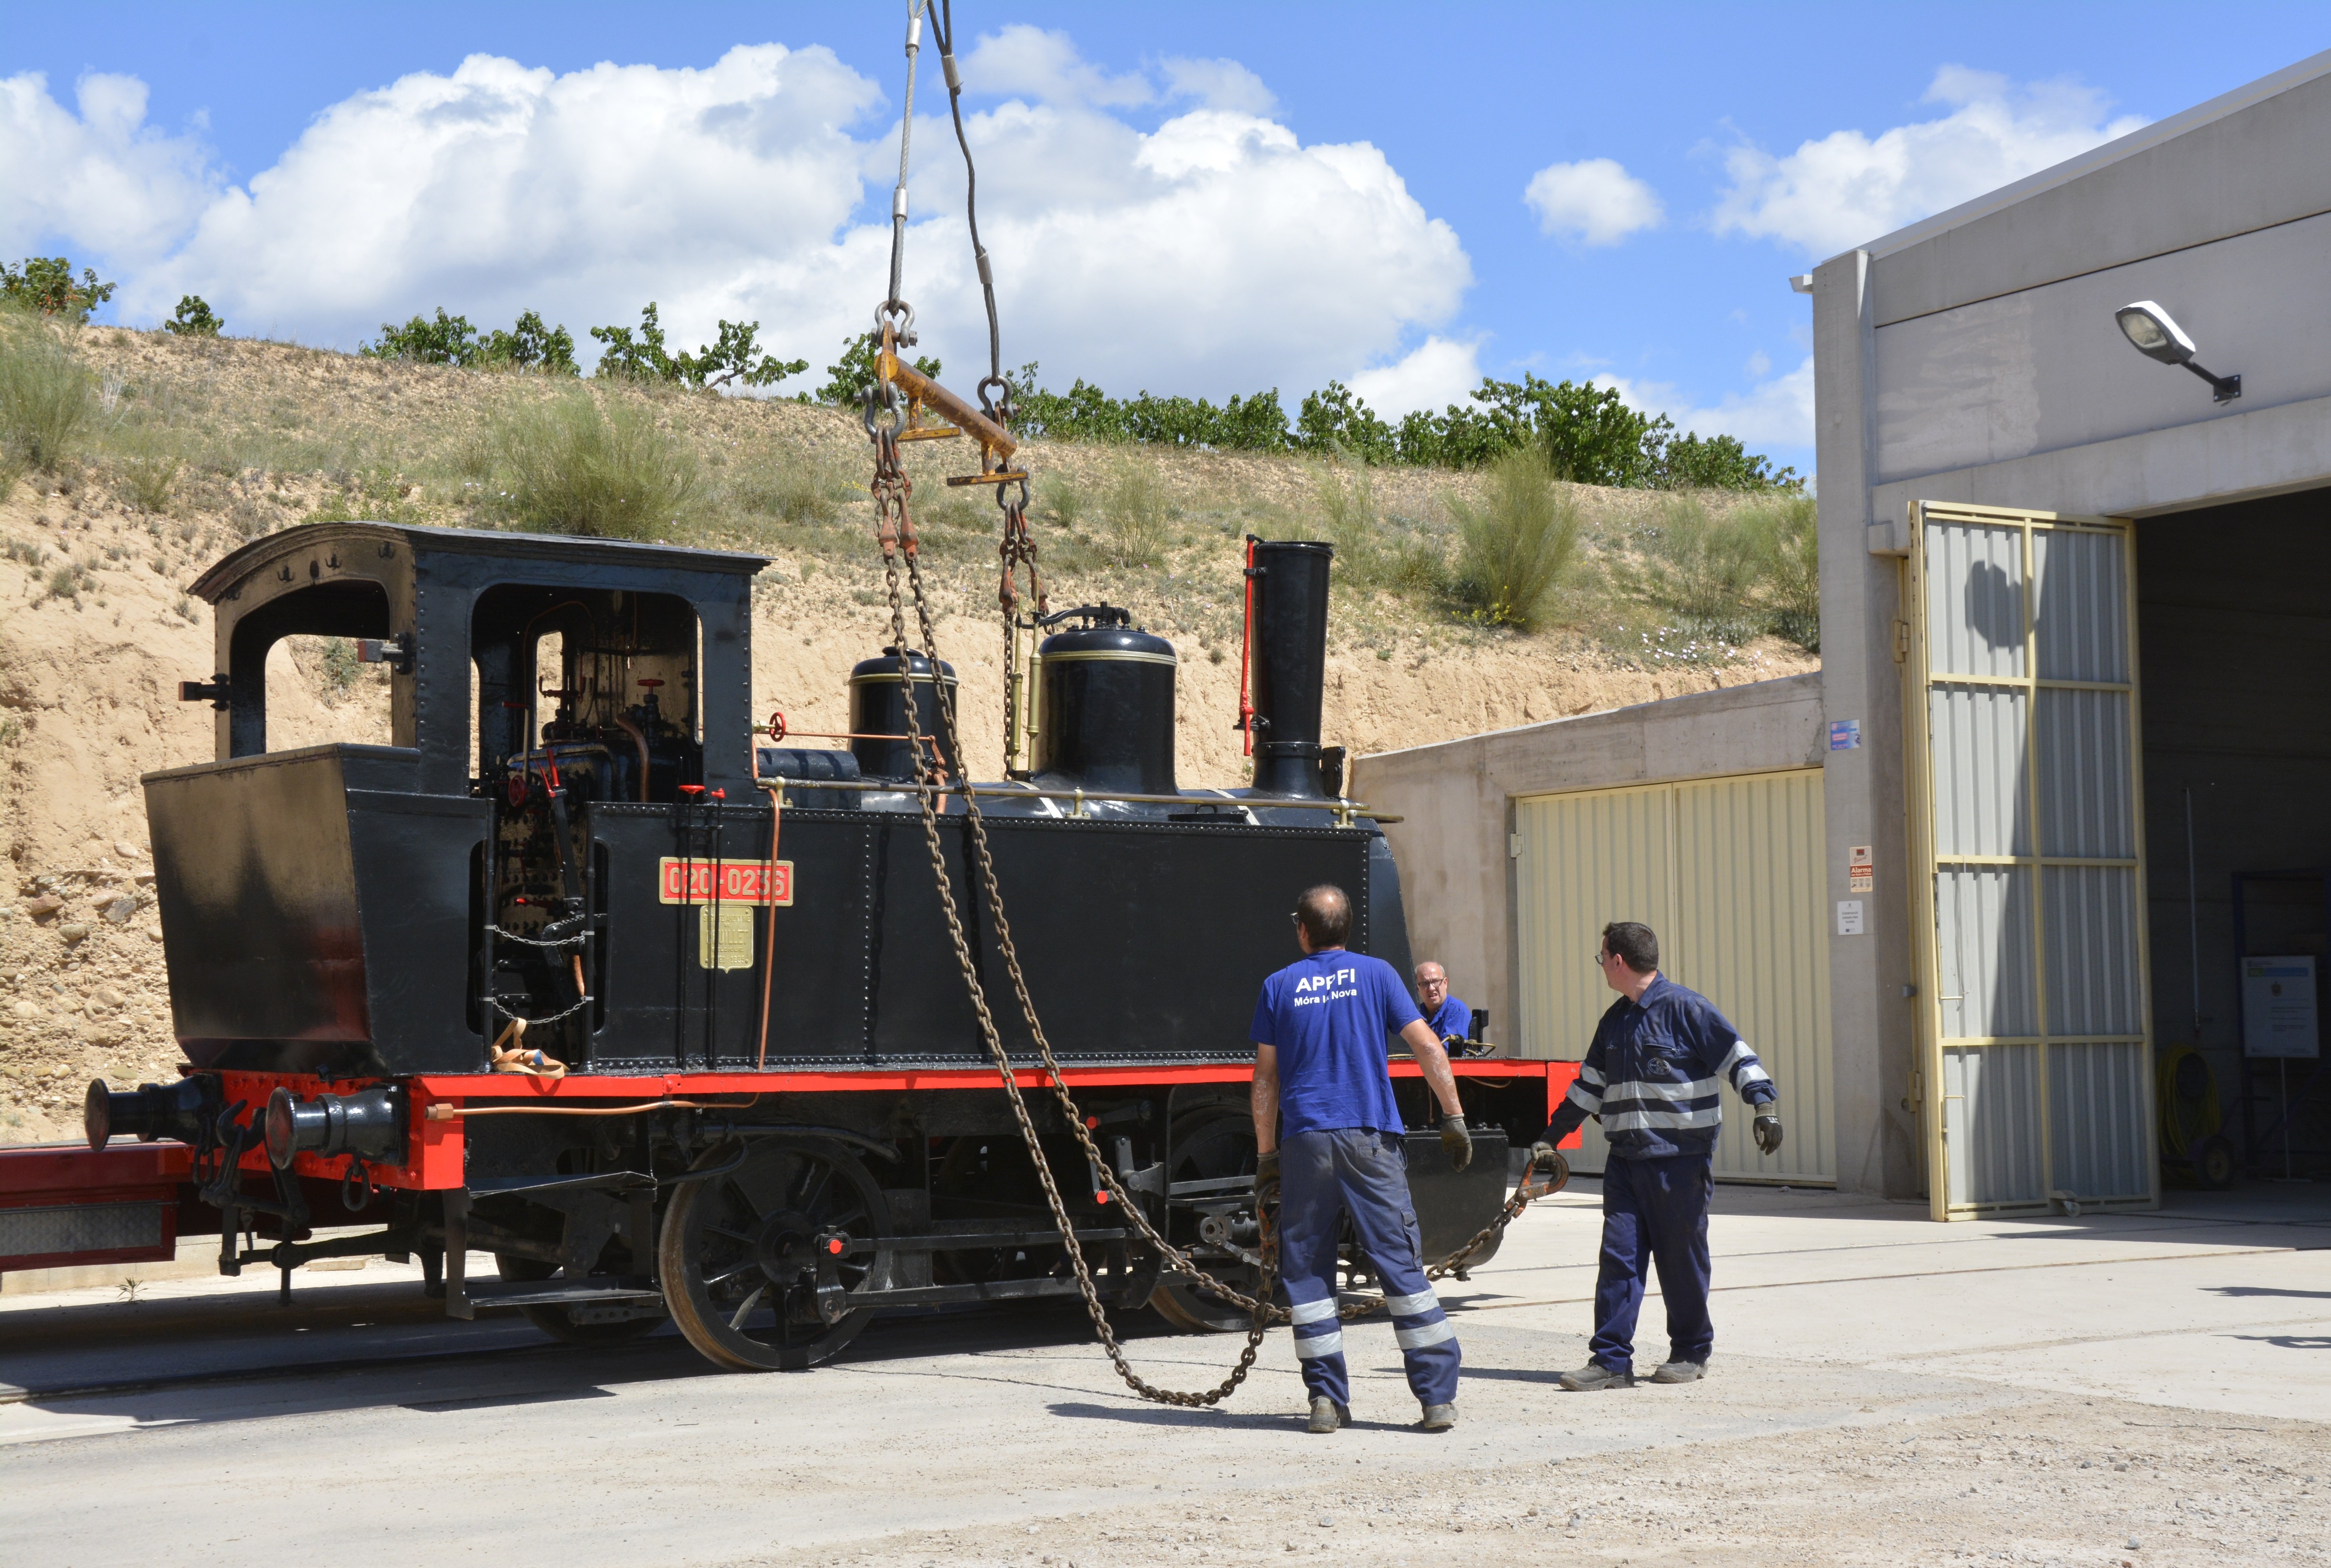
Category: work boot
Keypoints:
(1438, 1418)
(1327, 1415)
(1594, 1375)
(1681, 1371)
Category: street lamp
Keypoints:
(2156, 335)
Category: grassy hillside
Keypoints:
(190, 446)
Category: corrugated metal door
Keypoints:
(1728, 872)
(2035, 1030)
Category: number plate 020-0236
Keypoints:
(708, 882)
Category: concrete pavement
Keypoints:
(215, 1418)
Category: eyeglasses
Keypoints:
(1602, 960)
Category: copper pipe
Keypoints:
(639, 739)
(441, 1112)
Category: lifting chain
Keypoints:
(896, 536)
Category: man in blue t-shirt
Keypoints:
(1327, 1135)
(1450, 1020)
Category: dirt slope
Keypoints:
(96, 630)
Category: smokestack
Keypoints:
(1290, 664)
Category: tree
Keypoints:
(527, 346)
(447, 340)
(194, 319)
(530, 346)
(735, 355)
(46, 284)
(848, 378)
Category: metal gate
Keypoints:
(1728, 872)
(2026, 830)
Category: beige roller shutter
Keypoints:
(1728, 872)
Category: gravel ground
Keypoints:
(2014, 1480)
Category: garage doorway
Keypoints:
(1728, 872)
(2235, 634)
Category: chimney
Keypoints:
(1289, 667)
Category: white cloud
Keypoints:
(1595, 201)
(1847, 188)
(1217, 254)
(102, 175)
(1430, 377)
(1218, 84)
(1031, 62)
(1777, 411)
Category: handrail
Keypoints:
(1345, 809)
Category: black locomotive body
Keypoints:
(578, 973)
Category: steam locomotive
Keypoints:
(576, 974)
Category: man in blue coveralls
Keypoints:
(1654, 1077)
(1327, 1136)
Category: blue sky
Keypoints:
(1196, 197)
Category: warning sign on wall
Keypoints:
(1860, 875)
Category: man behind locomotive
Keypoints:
(1320, 1062)
(1651, 1076)
(1450, 1020)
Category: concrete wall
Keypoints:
(1974, 357)
(1457, 800)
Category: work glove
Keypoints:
(1768, 1129)
(1545, 1163)
(1456, 1141)
(1266, 1181)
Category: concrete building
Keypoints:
(2073, 716)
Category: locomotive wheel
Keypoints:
(558, 1321)
(740, 1254)
(1206, 1145)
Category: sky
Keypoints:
(1198, 198)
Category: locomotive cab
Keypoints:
(321, 906)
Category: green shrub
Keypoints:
(342, 664)
(45, 284)
(795, 486)
(379, 494)
(46, 394)
(194, 319)
(1519, 545)
(1138, 522)
(578, 468)
(1702, 571)
(148, 473)
(1786, 537)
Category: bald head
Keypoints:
(1431, 985)
(1324, 913)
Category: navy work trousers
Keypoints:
(1654, 1211)
(1360, 1171)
